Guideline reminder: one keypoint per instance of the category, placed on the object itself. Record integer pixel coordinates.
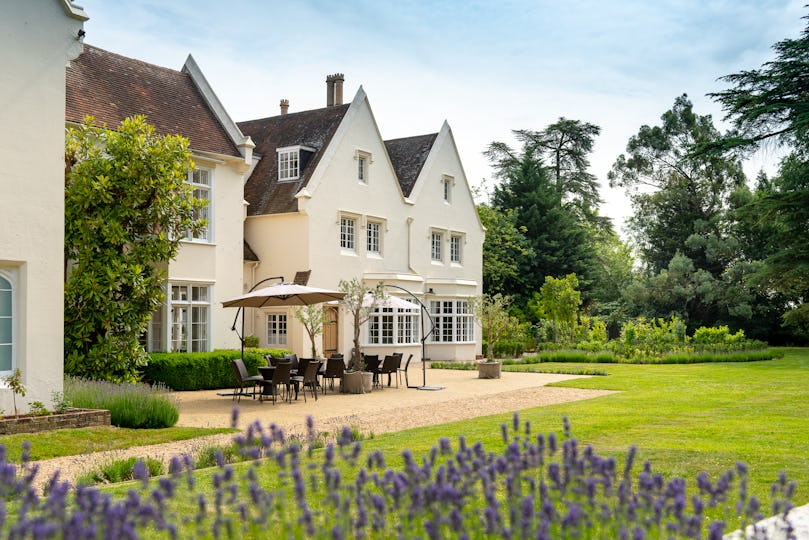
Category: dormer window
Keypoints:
(290, 162)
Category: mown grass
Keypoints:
(684, 419)
(73, 442)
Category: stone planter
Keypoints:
(489, 370)
(73, 418)
(357, 382)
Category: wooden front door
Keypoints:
(330, 331)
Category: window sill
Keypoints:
(374, 255)
(437, 263)
(197, 242)
(348, 252)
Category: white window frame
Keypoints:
(373, 236)
(188, 343)
(393, 326)
(289, 163)
(456, 242)
(436, 246)
(363, 166)
(348, 233)
(194, 180)
(454, 321)
(154, 338)
(277, 329)
(446, 186)
(9, 275)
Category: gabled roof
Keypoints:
(407, 155)
(112, 87)
(313, 129)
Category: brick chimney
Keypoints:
(334, 89)
(284, 106)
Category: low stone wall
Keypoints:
(74, 418)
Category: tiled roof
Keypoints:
(408, 156)
(112, 87)
(314, 129)
(249, 254)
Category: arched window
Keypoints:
(7, 362)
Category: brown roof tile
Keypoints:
(112, 87)
(249, 254)
(408, 156)
(314, 129)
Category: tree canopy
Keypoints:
(126, 208)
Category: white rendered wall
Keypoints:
(37, 37)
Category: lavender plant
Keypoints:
(535, 486)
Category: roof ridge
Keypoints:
(333, 107)
(129, 58)
(412, 137)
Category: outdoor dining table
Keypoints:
(267, 373)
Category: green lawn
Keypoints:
(684, 419)
(70, 442)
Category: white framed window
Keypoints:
(153, 338)
(373, 233)
(189, 322)
(363, 165)
(289, 160)
(276, 329)
(453, 321)
(348, 229)
(436, 245)
(455, 246)
(392, 326)
(8, 324)
(201, 180)
(446, 187)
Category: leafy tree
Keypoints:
(675, 193)
(126, 207)
(564, 146)
(312, 318)
(491, 312)
(770, 103)
(559, 301)
(360, 302)
(506, 250)
(559, 241)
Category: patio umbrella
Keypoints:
(279, 294)
(284, 294)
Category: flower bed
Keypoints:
(73, 418)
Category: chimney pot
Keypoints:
(338, 88)
(329, 90)
(284, 106)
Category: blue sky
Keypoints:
(486, 67)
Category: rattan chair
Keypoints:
(243, 380)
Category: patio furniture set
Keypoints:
(283, 376)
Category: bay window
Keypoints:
(453, 321)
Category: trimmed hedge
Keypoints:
(202, 371)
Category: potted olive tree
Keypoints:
(359, 302)
(491, 313)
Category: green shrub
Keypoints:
(130, 405)
(119, 471)
(207, 456)
(202, 371)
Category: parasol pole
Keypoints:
(241, 310)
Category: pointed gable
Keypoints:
(312, 129)
(407, 155)
(111, 87)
